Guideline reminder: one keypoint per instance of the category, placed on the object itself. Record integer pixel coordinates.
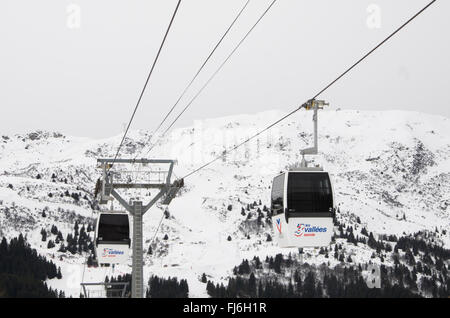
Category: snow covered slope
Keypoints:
(391, 171)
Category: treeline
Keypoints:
(167, 288)
(415, 244)
(286, 276)
(157, 287)
(305, 282)
(418, 261)
(23, 271)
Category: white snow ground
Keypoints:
(391, 169)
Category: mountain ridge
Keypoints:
(390, 169)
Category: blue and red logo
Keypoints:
(109, 252)
(308, 230)
(278, 224)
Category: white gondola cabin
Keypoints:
(112, 238)
(302, 207)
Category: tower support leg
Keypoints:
(137, 285)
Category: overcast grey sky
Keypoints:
(84, 79)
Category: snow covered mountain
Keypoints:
(391, 173)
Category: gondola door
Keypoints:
(279, 222)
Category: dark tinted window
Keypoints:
(309, 192)
(277, 194)
(113, 227)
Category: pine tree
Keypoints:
(252, 285)
(54, 230)
(3, 246)
(44, 235)
(210, 289)
(89, 261)
(62, 248)
(76, 227)
(309, 287)
(277, 263)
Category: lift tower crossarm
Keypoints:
(108, 186)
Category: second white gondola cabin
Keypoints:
(302, 206)
(112, 238)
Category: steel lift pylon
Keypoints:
(315, 105)
(106, 191)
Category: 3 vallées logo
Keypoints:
(109, 252)
(304, 230)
